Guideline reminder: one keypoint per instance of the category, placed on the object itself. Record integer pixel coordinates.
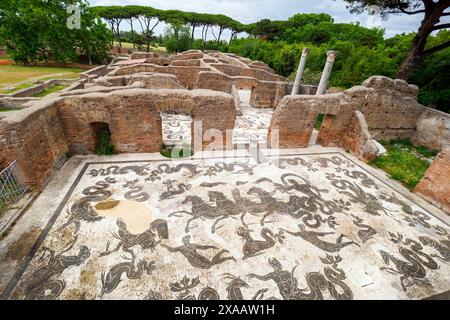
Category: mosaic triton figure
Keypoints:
(189, 250)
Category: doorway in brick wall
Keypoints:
(177, 134)
(102, 138)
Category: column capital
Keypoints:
(331, 55)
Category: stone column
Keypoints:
(301, 67)
(331, 55)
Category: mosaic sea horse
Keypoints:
(226, 207)
(200, 209)
(272, 205)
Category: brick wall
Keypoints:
(35, 138)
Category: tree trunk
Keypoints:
(132, 33)
(206, 35)
(203, 37)
(147, 36)
(221, 29)
(118, 33)
(192, 36)
(233, 34)
(431, 18)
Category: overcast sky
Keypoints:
(247, 11)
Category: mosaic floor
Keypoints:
(318, 225)
(250, 127)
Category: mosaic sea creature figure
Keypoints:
(316, 281)
(200, 209)
(167, 169)
(288, 285)
(414, 266)
(149, 239)
(82, 209)
(116, 170)
(136, 192)
(295, 162)
(315, 201)
(229, 167)
(187, 284)
(253, 247)
(442, 246)
(365, 232)
(270, 204)
(112, 279)
(226, 207)
(172, 190)
(357, 195)
(245, 204)
(359, 175)
(324, 162)
(42, 285)
(413, 216)
(234, 288)
(190, 252)
(335, 277)
(314, 238)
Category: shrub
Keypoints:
(104, 146)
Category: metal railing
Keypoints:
(12, 186)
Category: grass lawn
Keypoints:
(404, 161)
(9, 75)
(47, 91)
(130, 46)
(17, 88)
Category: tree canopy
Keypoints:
(432, 12)
(36, 30)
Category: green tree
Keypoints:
(177, 37)
(36, 30)
(432, 12)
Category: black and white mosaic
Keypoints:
(318, 226)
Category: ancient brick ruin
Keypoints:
(277, 195)
(130, 94)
